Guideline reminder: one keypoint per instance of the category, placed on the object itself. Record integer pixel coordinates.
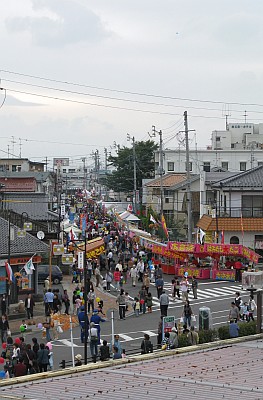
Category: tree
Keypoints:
(121, 179)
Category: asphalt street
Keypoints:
(215, 295)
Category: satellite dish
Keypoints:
(40, 235)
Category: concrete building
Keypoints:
(20, 165)
(238, 148)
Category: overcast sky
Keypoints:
(169, 50)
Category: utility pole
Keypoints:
(161, 171)
(84, 173)
(188, 188)
(134, 171)
(106, 169)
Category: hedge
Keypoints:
(210, 335)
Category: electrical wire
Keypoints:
(130, 92)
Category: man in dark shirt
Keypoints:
(104, 351)
(20, 368)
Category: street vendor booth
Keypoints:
(214, 251)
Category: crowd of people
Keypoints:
(23, 358)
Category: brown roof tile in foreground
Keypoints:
(168, 180)
(207, 223)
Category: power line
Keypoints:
(132, 93)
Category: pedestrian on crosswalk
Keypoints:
(159, 283)
(164, 303)
(184, 286)
(121, 301)
(194, 287)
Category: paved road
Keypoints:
(215, 295)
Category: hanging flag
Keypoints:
(164, 227)
(222, 237)
(201, 236)
(72, 235)
(152, 219)
(9, 272)
(29, 267)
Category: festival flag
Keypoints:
(9, 272)
(222, 234)
(72, 235)
(29, 267)
(152, 219)
(164, 226)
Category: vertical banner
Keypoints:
(81, 259)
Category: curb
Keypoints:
(134, 359)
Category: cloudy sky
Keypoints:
(79, 75)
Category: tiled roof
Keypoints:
(168, 180)
(207, 223)
(20, 245)
(252, 178)
(35, 205)
(224, 372)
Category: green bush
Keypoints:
(183, 341)
(206, 336)
(247, 328)
(223, 332)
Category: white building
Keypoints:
(237, 149)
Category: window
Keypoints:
(242, 166)
(234, 240)
(167, 200)
(190, 166)
(170, 166)
(225, 165)
(13, 168)
(64, 170)
(218, 138)
(207, 166)
(260, 163)
(71, 170)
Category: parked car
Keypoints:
(43, 272)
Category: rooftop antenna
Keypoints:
(20, 147)
(226, 113)
(245, 116)
(13, 144)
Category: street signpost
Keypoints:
(168, 324)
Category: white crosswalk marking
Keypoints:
(125, 337)
(66, 342)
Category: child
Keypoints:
(137, 306)
(244, 311)
(121, 281)
(78, 303)
(23, 328)
(149, 302)
(123, 355)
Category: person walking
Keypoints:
(97, 275)
(133, 274)
(48, 301)
(252, 307)
(108, 278)
(121, 301)
(142, 298)
(29, 306)
(184, 285)
(4, 327)
(187, 313)
(159, 283)
(194, 287)
(164, 303)
(117, 278)
(234, 312)
(42, 358)
(66, 301)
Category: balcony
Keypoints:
(237, 212)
